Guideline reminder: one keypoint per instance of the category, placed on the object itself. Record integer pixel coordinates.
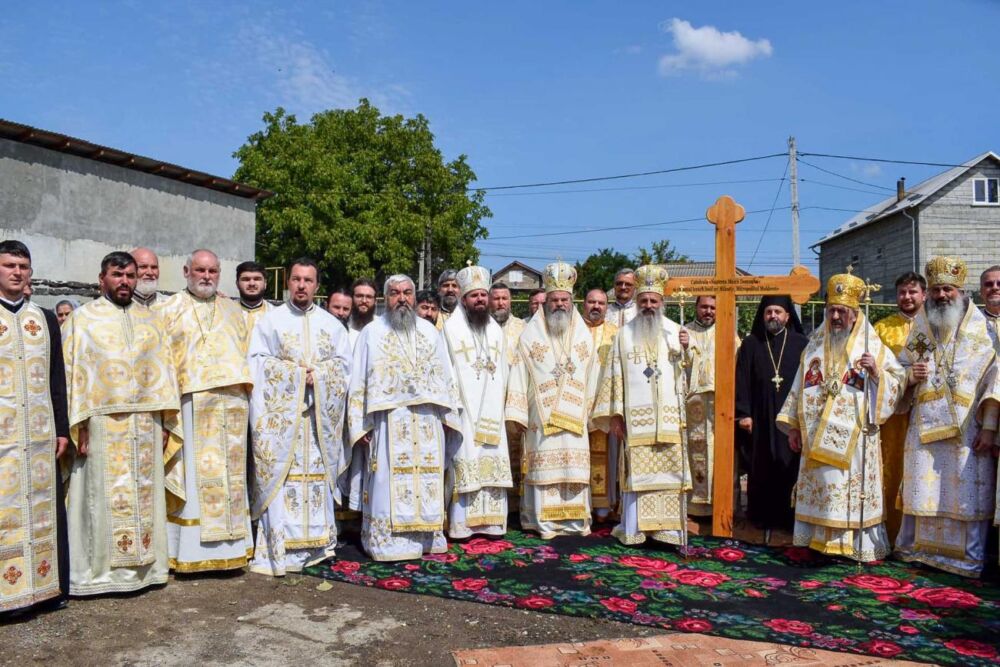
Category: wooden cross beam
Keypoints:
(725, 286)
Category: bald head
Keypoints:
(147, 271)
(202, 273)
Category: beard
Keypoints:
(556, 321)
(478, 319)
(146, 286)
(946, 317)
(648, 328)
(774, 327)
(202, 291)
(119, 300)
(595, 316)
(501, 315)
(402, 318)
(449, 301)
(838, 341)
(707, 323)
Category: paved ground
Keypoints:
(248, 619)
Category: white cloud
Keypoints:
(708, 50)
(304, 76)
(868, 169)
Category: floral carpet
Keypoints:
(726, 588)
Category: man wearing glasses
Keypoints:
(623, 309)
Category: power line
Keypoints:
(885, 160)
(846, 178)
(840, 187)
(770, 213)
(633, 175)
(635, 187)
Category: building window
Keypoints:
(986, 191)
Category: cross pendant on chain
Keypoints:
(777, 380)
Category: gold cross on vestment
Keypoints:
(636, 356)
(464, 350)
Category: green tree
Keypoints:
(357, 191)
(598, 270)
(660, 252)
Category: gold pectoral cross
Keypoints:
(921, 346)
(777, 380)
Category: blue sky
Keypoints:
(536, 92)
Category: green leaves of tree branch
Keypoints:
(357, 191)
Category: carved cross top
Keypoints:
(921, 346)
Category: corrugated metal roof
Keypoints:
(914, 197)
(62, 143)
(695, 269)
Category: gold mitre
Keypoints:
(944, 270)
(845, 289)
(559, 277)
(472, 278)
(651, 278)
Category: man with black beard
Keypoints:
(428, 305)
(479, 467)
(251, 281)
(401, 398)
(363, 307)
(765, 366)
(338, 304)
(448, 294)
(949, 475)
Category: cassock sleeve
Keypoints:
(744, 367)
(57, 375)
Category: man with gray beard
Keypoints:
(848, 383)
(549, 398)
(401, 401)
(643, 411)
(949, 475)
(148, 278)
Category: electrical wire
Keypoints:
(770, 213)
(639, 174)
(846, 178)
(879, 159)
(635, 187)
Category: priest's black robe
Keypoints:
(772, 468)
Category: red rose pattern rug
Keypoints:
(791, 596)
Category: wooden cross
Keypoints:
(725, 286)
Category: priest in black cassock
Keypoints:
(765, 367)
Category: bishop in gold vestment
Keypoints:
(645, 412)
(843, 386)
(949, 473)
(207, 508)
(549, 395)
(122, 398)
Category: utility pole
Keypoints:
(793, 166)
(420, 279)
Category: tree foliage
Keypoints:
(598, 270)
(660, 252)
(357, 191)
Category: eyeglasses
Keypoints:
(991, 283)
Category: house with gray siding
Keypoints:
(72, 202)
(956, 212)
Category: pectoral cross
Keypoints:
(921, 346)
(777, 380)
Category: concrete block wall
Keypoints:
(883, 251)
(71, 211)
(951, 225)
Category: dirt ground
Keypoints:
(248, 619)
